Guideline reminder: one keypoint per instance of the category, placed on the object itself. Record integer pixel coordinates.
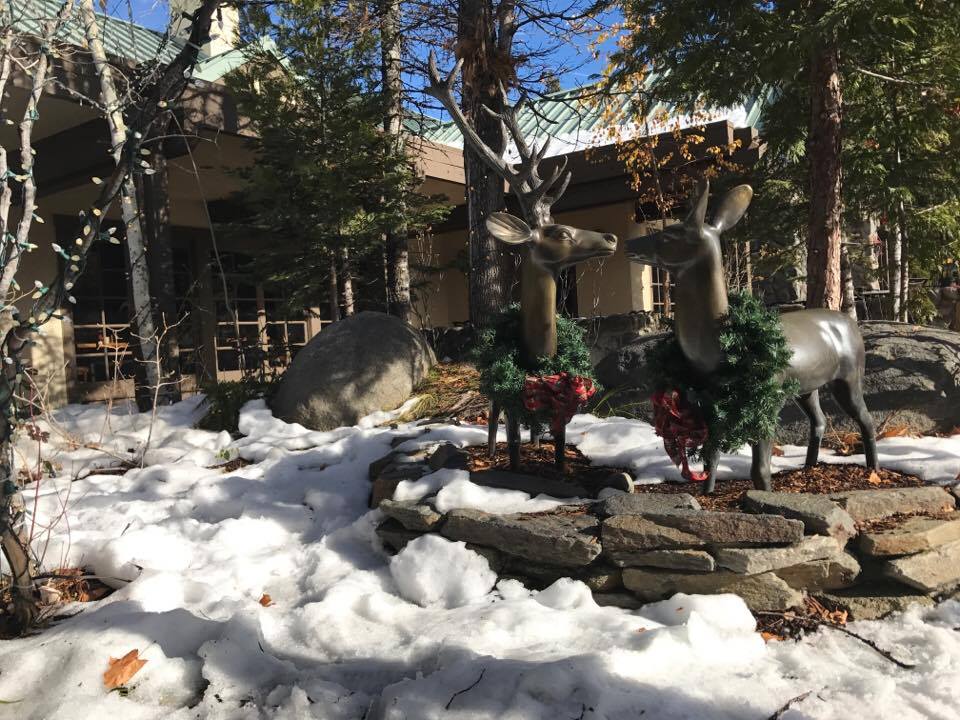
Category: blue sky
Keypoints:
(154, 13)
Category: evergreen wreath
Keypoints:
(497, 355)
(741, 400)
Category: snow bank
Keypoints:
(352, 633)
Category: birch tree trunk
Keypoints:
(824, 228)
(142, 323)
(346, 278)
(396, 245)
(895, 269)
(849, 301)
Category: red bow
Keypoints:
(682, 428)
(562, 394)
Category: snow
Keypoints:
(352, 633)
(422, 574)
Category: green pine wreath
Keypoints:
(497, 355)
(740, 401)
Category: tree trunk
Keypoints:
(823, 149)
(482, 52)
(333, 291)
(346, 279)
(904, 265)
(849, 300)
(156, 213)
(396, 251)
(895, 268)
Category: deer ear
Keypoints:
(698, 210)
(732, 207)
(508, 228)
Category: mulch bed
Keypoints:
(539, 461)
(822, 479)
(895, 521)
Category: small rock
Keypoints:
(689, 560)
(640, 503)
(412, 515)
(620, 600)
(819, 514)
(866, 505)
(620, 481)
(760, 592)
(566, 539)
(833, 573)
(394, 535)
(751, 561)
(914, 535)
(875, 601)
(933, 571)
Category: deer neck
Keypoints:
(700, 301)
(538, 311)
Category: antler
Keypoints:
(536, 195)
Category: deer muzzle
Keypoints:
(642, 249)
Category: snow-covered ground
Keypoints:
(352, 633)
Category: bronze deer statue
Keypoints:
(826, 346)
(550, 247)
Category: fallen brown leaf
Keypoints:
(266, 600)
(874, 478)
(777, 451)
(770, 637)
(120, 671)
(894, 431)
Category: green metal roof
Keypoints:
(121, 38)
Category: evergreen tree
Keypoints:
(328, 182)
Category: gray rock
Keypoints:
(447, 455)
(368, 362)
(833, 573)
(751, 561)
(875, 601)
(620, 600)
(914, 535)
(934, 571)
(640, 503)
(629, 534)
(599, 577)
(819, 514)
(563, 539)
(760, 592)
(385, 484)
(689, 560)
(877, 504)
(394, 535)
(412, 515)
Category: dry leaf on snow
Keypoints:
(266, 600)
(120, 671)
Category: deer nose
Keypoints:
(610, 238)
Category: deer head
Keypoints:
(552, 246)
(679, 247)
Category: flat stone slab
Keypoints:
(640, 503)
(599, 577)
(875, 601)
(760, 592)
(625, 535)
(819, 514)
(914, 535)
(412, 515)
(555, 487)
(394, 535)
(933, 571)
(751, 561)
(866, 505)
(689, 560)
(565, 539)
(834, 573)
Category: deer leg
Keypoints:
(513, 440)
(760, 467)
(493, 423)
(710, 467)
(810, 404)
(849, 396)
(559, 445)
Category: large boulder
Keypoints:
(912, 372)
(367, 362)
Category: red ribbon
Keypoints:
(561, 394)
(682, 428)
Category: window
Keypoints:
(661, 291)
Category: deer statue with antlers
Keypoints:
(826, 346)
(550, 247)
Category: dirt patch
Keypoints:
(822, 479)
(450, 391)
(895, 521)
